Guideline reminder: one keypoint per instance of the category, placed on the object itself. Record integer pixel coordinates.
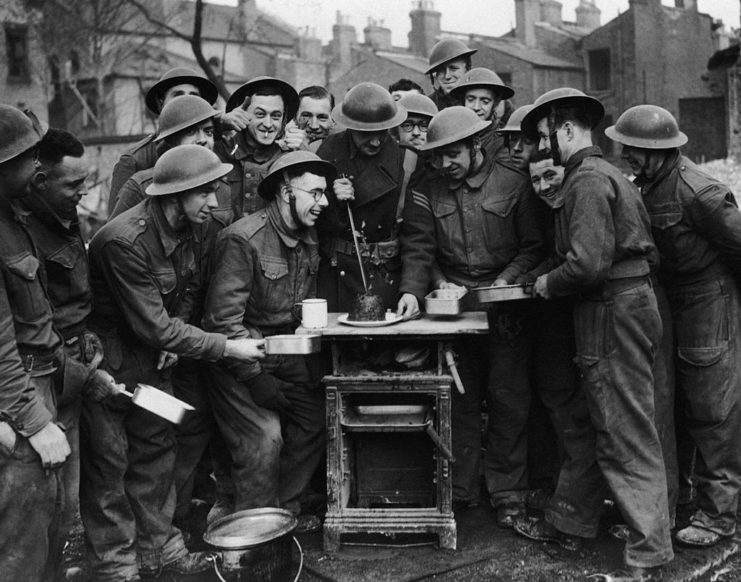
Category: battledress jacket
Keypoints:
(602, 229)
(695, 221)
(470, 233)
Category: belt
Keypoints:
(39, 362)
(636, 267)
(613, 287)
(378, 252)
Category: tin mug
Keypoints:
(314, 313)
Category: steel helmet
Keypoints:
(185, 167)
(446, 50)
(290, 97)
(17, 131)
(181, 113)
(482, 77)
(418, 104)
(647, 126)
(298, 160)
(178, 76)
(515, 120)
(369, 107)
(563, 96)
(452, 124)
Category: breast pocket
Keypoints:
(67, 273)
(274, 290)
(166, 281)
(665, 216)
(24, 289)
(499, 230)
(448, 225)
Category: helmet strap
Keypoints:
(553, 138)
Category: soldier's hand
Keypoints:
(295, 138)
(245, 349)
(167, 360)
(541, 287)
(235, 120)
(51, 445)
(500, 283)
(101, 385)
(449, 285)
(343, 189)
(408, 306)
(92, 348)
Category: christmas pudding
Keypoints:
(367, 307)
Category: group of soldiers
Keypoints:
(221, 222)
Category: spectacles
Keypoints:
(316, 194)
(409, 125)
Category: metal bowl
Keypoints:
(293, 344)
(249, 528)
(444, 301)
(503, 293)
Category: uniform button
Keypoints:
(342, 273)
(142, 222)
(247, 175)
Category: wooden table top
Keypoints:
(469, 322)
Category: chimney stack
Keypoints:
(425, 27)
(550, 12)
(588, 15)
(377, 36)
(343, 40)
(527, 13)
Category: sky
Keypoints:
(491, 17)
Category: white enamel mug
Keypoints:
(314, 313)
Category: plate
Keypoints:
(391, 319)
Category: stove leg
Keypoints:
(448, 537)
(331, 538)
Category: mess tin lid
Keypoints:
(249, 528)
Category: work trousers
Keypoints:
(190, 383)
(493, 368)
(127, 486)
(617, 334)
(706, 319)
(30, 505)
(274, 455)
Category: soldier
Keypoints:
(174, 83)
(476, 227)
(697, 229)
(603, 241)
(449, 61)
(50, 215)
(144, 273)
(372, 174)
(314, 115)
(412, 133)
(520, 145)
(271, 413)
(404, 87)
(268, 104)
(482, 90)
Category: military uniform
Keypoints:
(261, 270)
(142, 274)
(377, 181)
(251, 165)
(141, 156)
(697, 229)
(603, 240)
(472, 234)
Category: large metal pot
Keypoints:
(254, 544)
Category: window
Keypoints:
(16, 47)
(599, 69)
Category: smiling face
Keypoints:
(314, 116)
(201, 134)
(197, 203)
(546, 179)
(454, 160)
(310, 198)
(449, 74)
(369, 143)
(482, 101)
(266, 114)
